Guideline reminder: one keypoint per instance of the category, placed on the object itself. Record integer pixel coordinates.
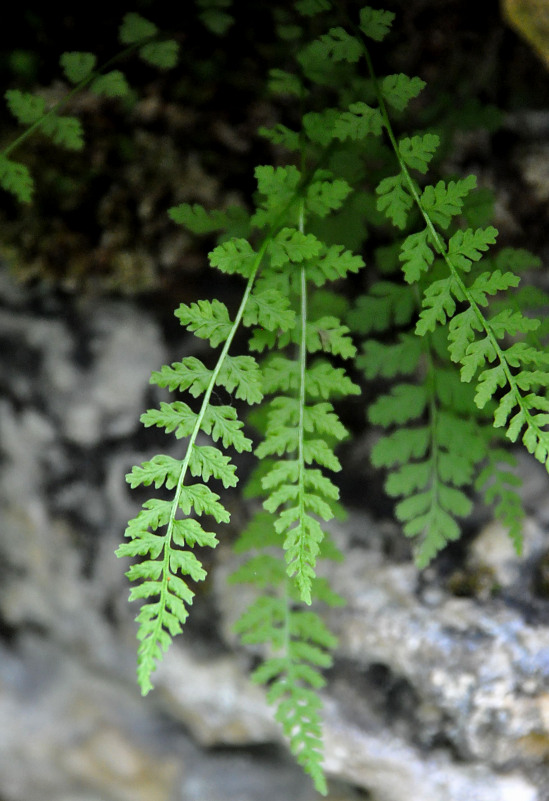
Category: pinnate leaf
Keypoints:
(135, 28)
(311, 7)
(207, 461)
(359, 121)
(222, 423)
(112, 84)
(241, 375)
(64, 131)
(281, 135)
(375, 23)
(277, 185)
(234, 256)
(417, 151)
(320, 125)
(394, 200)
(438, 305)
(206, 319)
(388, 360)
(489, 283)
(197, 219)
(461, 332)
(334, 263)
(160, 470)
(322, 380)
(175, 416)
(329, 335)
(444, 201)
(203, 501)
(270, 310)
(512, 322)
(386, 303)
(282, 82)
(416, 255)
(338, 45)
(398, 90)
(294, 246)
(190, 373)
(476, 355)
(326, 196)
(489, 381)
(77, 66)
(16, 178)
(26, 107)
(467, 246)
(163, 55)
(400, 446)
(405, 402)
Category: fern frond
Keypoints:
(298, 643)
(291, 245)
(269, 309)
(166, 558)
(434, 452)
(79, 69)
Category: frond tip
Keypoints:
(160, 573)
(301, 642)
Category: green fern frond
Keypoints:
(80, 69)
(461, 354)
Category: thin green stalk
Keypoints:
(74, 91)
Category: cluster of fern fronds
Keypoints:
(454, 344)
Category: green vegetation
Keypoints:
(443, 327)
